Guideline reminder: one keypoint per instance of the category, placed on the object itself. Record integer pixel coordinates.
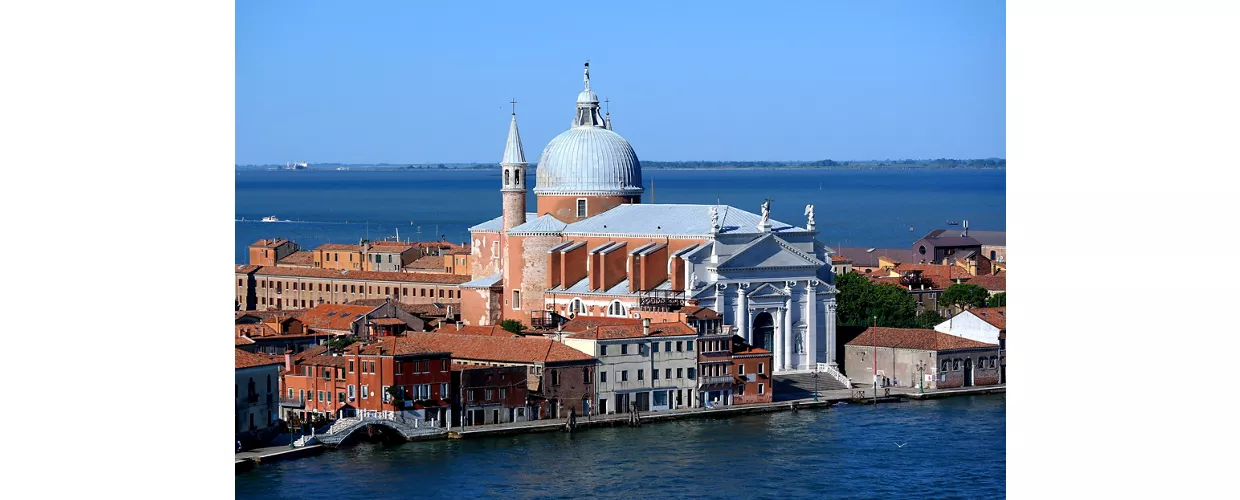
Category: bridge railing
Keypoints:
(835, 374)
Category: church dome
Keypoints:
(589, 159)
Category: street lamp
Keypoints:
(921, 378)
(815, 384)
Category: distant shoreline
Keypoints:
(644, 168)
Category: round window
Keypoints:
(921, 249)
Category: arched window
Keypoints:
(992, 255)
(981, 362)
(516, 177)
(616, 308)
(505, 177)
(992, 361)
(575, 306)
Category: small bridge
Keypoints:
(410, 429)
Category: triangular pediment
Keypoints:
(767, 290)
(769, 251)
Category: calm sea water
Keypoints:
(870, 208)
(953, 448)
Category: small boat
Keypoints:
(270, 218)
(952, 223)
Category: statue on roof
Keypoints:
(587, 75)
(809, 211)
(766, 212)
(714, 218)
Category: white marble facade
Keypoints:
(777, 291)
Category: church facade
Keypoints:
(592, 248)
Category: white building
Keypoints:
(983, 324)
(651, 367)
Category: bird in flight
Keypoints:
(898, 445)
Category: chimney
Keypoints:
(288, 361)
(966, 228)
(645, 327)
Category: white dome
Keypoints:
(589, 161)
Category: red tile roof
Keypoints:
(298, 272)
(250, 360)
(427, 262)
(334, 316)
(523, 350)
(271, 243)
(996, 316)
(995, 283)
(255, 330)
(243, 341)
(700, 312)
(245, 268)
(740, 348)
(485, 331)
(388, 321)
(914, 338)
(432, 309)
(339, 246)
(298, 258)
(394, 346)
(632, 331)
(840, 259)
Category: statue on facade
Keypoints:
(798, 343)
(693, 280)
(809, 212)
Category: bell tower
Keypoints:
(513, 175)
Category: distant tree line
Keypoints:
(700, 164)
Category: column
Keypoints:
(719, 307)
(811, 324)
(742, 313)
(831, 333)
(784, 362)
(779, 340)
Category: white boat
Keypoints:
(270, 218)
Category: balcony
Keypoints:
(720, 380)
(292, 402)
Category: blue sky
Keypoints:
(427, 82)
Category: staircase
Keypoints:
(801, 385)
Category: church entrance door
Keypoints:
(764, 331)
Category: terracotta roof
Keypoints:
(265, 315)
(739, 347)
(583, 323)
(485, 331)
(339, 246)
(255, 330)
(839, 259)
(309, 353)
(245, 268)
(996, 316)
(271, 243)
(250, 360)
(629, 331)
(523, 350)
(298, 272)
(390, 247)
(914, 338)
(243, 341)
(427, 262)
(298, 258)
(431, 309)
(388, 321)
(700, 312)
(394, 346)
(334, 316)
(993, 283)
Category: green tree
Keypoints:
(964, 295)
(339, 343)
(512, 325)
(997, 300)
(860, 301)
(929, 318)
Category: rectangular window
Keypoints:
(667, 346)
(624, 375)
(290, 393)
(602, 376)
(761, 369)
(602, 350)
(581, 207)
(301, 394)
(443, 391)
(352, 391)
(680, 373)
(340, 397)
(624, 348)
(692, 373)
(555, 377)
(641, 374)
(667, 373)
(680, 346)
(654, 374)
(761, 388)
(329, 396)
(441, 293)
(503, 393)
(689, 345)
(365, 392)
(740, 369)
(516, 299)
(488, 398)
(654, 347)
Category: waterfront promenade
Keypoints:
(280, 450)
